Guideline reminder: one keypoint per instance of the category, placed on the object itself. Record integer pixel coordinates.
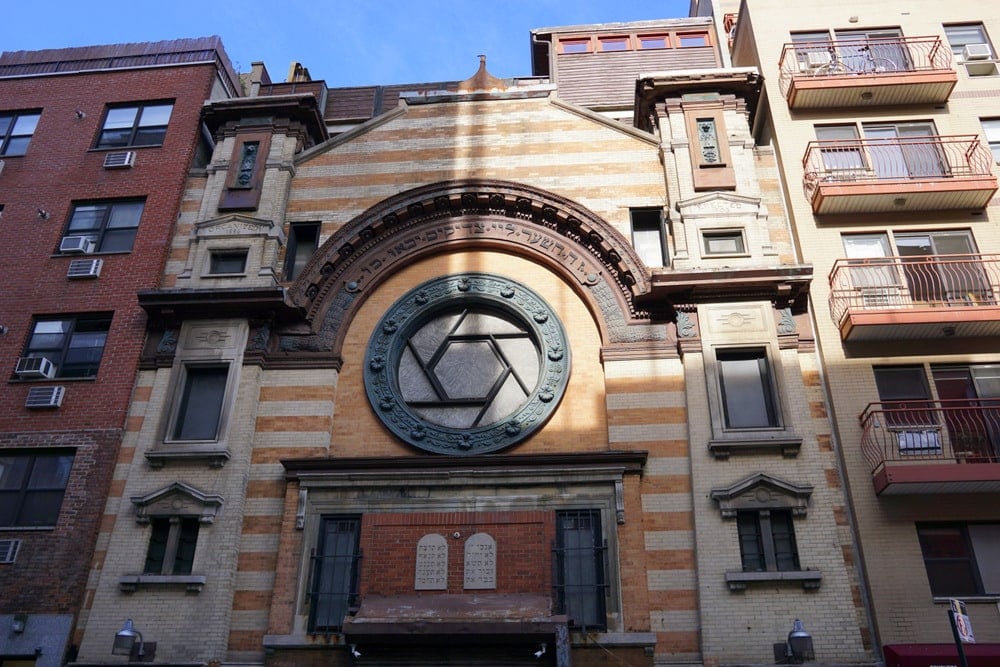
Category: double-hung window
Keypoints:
(32, 488)
(74, 345)
(963, 35)
(135, 125)
(110, 225)
(767, 541)
(579, 572)
(16, 129)
(748, 399)
(335, 573)
(961, 559)
(991, 128)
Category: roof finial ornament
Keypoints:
(482, 80)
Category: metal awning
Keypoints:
(940, 655)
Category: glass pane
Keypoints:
(87, 217)
(647, 243)
(17, 146)
(746, 390)
(184, 560)
(114, 138)
(751, 546)
(157, 546)
(335, 572)
(118, 240)
(125, 214)
(693, 40)
(49, 334)
(614, 44)
(50, 472)
(786, 557)
(985, 540)
(5, 122)
(8, 507)
(151, 136)
(26, 124)
(12, 471)
(157, 114)
(40, 508)
(121, 117)
(201, 405)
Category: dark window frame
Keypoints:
(155, 133)
(172, 544)
(580, 577)
(295, 257)
(767, 541)
(188, 424)
(224, 262)
(7, 134)
(25, 497)
(766, 375)
(78, 325)
(649, 220)
(108, 234)
(335, 572)
(942, 569)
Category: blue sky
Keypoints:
(346, 43)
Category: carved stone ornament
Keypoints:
(762, 492)
(177, 499)
(467, 364)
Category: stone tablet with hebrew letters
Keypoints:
(432, 564)
(480, 562)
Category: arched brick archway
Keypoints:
(457, 215)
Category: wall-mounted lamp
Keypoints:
(797, 648)
(18, 622)
(541, 651)
(125, 644)
(43, 214)
(80, 115)
(354, 651)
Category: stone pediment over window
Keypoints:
(721, 204)
(177, 499)
(762, 492)
(237, 225)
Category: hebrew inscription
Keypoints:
(432, 563)
(480, 562)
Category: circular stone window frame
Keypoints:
(439, 295)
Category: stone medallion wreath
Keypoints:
(467, 364)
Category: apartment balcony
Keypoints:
(932, 447)
(921, 173)
(866, 72)
(910, 298)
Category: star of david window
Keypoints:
(466, 364)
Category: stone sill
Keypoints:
(739, 580)
(215, 457)
(788, 446)
(192, 583)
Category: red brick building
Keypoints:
(95, 147)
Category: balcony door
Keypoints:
(909, 412)
(942, 267)
(970, 398)
(855, 46)
(904, 150)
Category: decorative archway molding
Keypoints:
(472, 213)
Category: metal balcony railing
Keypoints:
(943, 431)
(882, 283)
(905, 158)
(873, 56)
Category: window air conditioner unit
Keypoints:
(8, 550)
(44, 397)
(817, 59)
(977, 52)
(84, 268)
(919, 442)
(34, 367)
(76, 245)
(879, 297)
(121, 160)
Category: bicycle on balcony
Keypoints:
(870, 63)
